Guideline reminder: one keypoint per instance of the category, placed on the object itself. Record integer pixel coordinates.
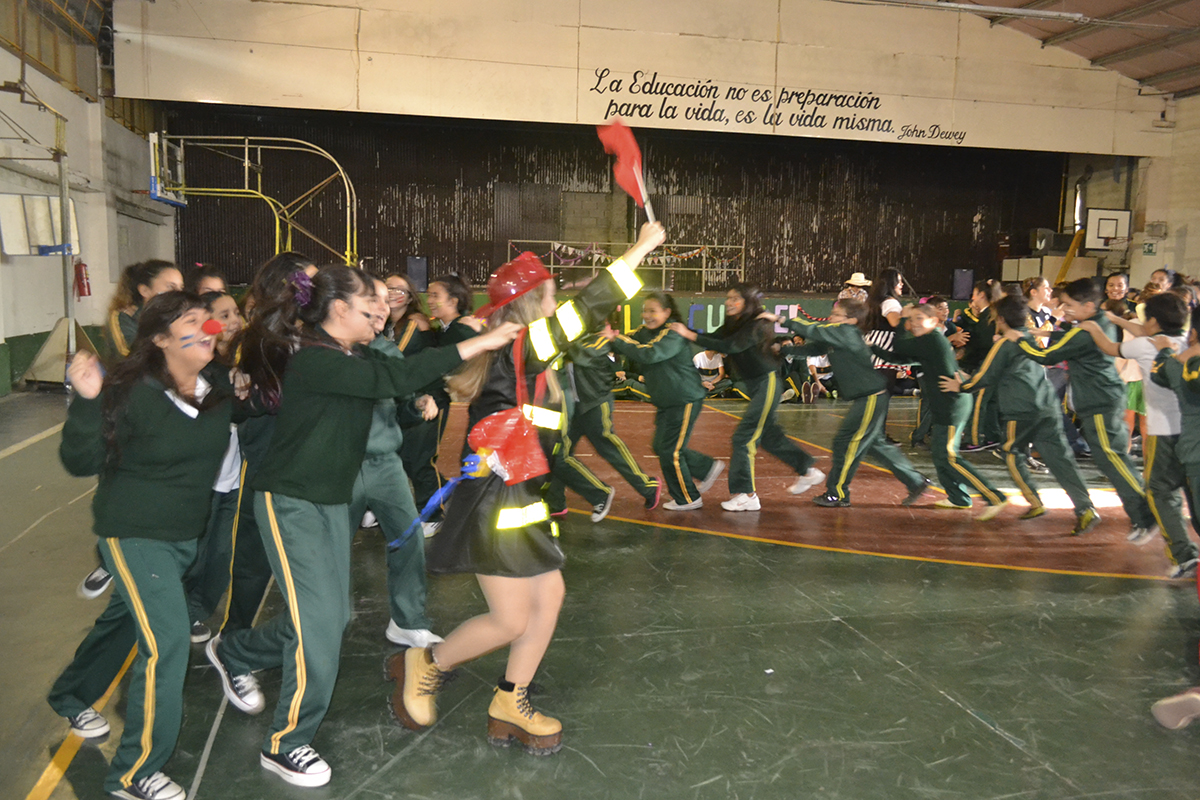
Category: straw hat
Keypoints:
(858, 279)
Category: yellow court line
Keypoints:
(848, 551)
(66, 752)
(19, 446)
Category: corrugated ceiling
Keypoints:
(1154, 42)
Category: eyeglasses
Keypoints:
(403, 292)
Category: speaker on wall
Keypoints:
(418, 272)
(964, 280)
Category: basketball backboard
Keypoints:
(166, 171)
(1107, 229)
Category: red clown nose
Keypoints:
(212, 327)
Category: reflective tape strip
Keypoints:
(510, 518)
(554, 528)
(542, 341)
(569, 319)
(542, 417)
(626, 278)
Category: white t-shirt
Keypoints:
(890, 306)
(1162, 407)
(703, 362)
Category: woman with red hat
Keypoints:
(497, 525)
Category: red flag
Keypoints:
(618, 140)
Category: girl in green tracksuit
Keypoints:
(309, 366)
(675, 389)
(862, 430)
(747, 340)
(155, 431)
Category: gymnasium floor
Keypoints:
(870, 652)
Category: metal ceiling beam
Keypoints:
(1190, 92)
(1130, 53)
(1128, 14)
(1036, 4)
(1183, 73)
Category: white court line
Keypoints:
(8, 451)
(43, 517)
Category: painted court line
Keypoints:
(43, 518)
(37, 437)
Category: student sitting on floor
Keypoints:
(711, 365)
(1030, 414)
(861, 432)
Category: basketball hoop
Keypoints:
(1116, 242)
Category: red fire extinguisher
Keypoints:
(83, 286)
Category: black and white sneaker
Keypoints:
(1185, 570)
(601, 509)
(94, 584)
(241, 690)
(301, 767)
(152, 787)
(200, 633)
(88, 724)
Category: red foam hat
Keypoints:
(517, 277)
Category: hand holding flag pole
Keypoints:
(618, 140)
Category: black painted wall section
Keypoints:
(808, 211)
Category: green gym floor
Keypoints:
(797, 652)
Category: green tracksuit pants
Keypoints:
(596, 425)
(419, 454)
(985, 418)
(1165, 476)
(925, 422)
(861, 434)
(148, 598)
(382, 486)
(1045, 433)
(759, 426)
(681, 466)
(1108, 437)
(208, 578)
(959, 478)
(308, 545)
(250, 572)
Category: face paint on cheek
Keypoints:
(187, 341)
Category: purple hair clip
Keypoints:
(301, 285)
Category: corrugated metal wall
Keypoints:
(808, 211)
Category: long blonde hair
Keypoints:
(467, 383)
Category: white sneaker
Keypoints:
(369, 521)
(430, 529)
(416, 637)
(788, 394)
(94, 584)
(807, 481)
(152, 787)
(1141, 536)
(991, 512)
(88, 724)
(742, 502)
(601, 509)
(713, 473)
(301, 767)
(671, 505)
(241, 690)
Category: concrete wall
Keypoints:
(800, 68)
(107, 164)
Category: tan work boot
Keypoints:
(510, 716)
(418, 680)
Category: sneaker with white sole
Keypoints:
(946, 502)
(430, 529)
(88, 724)
(200, 633)
(714, 472)
(94, 584)
(807, 481)
(671, 505)
(152, 787)
(787, 395)
(742, 502)
(1141, 536)
(410, 637)
(601, 509)
(241, 690)
(992, 511)
(301, 767)
(1185, 570)
(368, 520)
